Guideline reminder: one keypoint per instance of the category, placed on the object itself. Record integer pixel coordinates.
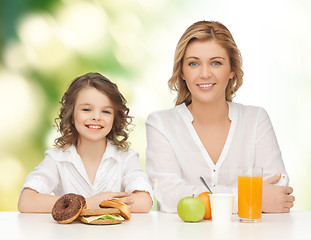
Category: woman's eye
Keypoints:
(193, 64)
(216, 63)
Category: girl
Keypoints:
(91, 158)
(206, 134)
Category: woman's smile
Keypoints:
(206, 86)
(206, 71)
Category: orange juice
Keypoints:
(250, 197)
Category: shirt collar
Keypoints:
(71, 155)
(111, 152)
(187, 116)
(184, 112)
(232, 111)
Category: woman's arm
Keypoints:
(30, 201)
(165, 173)
(275, 199)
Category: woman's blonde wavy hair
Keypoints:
(206, 30)
(65, 123)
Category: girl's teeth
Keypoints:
(95, 127)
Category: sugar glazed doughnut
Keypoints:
(68, 207)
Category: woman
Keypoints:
(208, 135)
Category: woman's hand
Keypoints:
(94, 201)
(276, 199)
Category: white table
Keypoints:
(156, 225)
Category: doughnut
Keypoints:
(68, 207)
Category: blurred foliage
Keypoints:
(46, 44)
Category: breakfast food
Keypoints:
(71, 206)
(68, 207)
(101, 216)
(206, 199)
(115, 203)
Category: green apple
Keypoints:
(191, 209)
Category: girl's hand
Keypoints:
(138, 201)
(128, 200)
(276, 199)
(94, 201)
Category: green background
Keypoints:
(45, 44)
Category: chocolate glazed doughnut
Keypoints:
(68, 207)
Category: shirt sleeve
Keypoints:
(134, 178)
(163, 169)
(44, 178)
(267, 151)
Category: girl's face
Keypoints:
(206, 70)
(93, 115)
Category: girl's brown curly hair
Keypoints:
(120, 129)
(206, 30)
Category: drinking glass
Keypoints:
(250, 194)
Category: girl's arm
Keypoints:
(30, 201)
(44, 178)
(135, 181)
(139, 202)
(94, 201)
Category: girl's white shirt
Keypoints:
(62, 171)
(176, 157)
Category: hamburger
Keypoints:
(101, 216)
(125, 212)
(110, 212)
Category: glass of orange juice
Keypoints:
(250, 194)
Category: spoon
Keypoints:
(204, 183)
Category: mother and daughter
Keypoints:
(205, 134)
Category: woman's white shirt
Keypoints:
(176, 158)
(62, 171)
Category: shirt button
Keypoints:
(214, 170)
(214, 185)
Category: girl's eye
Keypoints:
(86, 109)
(216, 63)
(106, 111)
(193, 64)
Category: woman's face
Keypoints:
(206, 70)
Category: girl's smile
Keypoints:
(93, 115)
(94, 126)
